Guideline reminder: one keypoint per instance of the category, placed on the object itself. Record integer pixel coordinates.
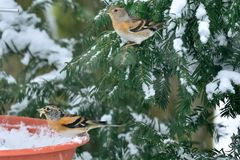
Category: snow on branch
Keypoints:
(20, 34)
(37, 2)
(148, 89)
(8, 78)
(190, 88)
(221, 39)
(161, 128)
(178, 42)
(18, 107)
(223, 83)
(177, 8)
(203, 23)
(132, 148)
(100, 14)
(82, 100)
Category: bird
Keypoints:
(69, 125)
(134, 31)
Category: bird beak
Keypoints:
(41, 111)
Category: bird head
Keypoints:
(51, 112)
(118, 14)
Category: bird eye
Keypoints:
(48, 109)
(115, 10)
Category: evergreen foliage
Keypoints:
(126, 83)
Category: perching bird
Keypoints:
(131, 30)
(69, 125)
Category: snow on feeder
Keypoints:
(14, 10)
(30, 139)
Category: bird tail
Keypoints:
(100, 124)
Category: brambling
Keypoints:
(69, 125)
(132, 30)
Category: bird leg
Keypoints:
(129, 44)
(84, 134)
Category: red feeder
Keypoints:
(63, 151)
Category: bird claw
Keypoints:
(129, 44)
(84, 134)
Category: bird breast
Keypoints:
(136, 37)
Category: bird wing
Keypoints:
(80, 122)
(73, 122)
(139, 25)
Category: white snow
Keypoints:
(184, 155)
(19, 32)
(107, 117)
(221, 39)
(183, 81)
(109, 54)
(93, 57)
(177, 42)
(133, 149)
(74, 101)
(190, 88)
(21, 138)
(231, 34)
(203, 23)
(113, 90)
(82, 98)
(141, 0)
(178, 45)
(25, 60)
(127, 73)
(52, 75)
(36, 2)
(148, 89)
(170, 26)
(225, 1)
(8, 78)
(110, 70)
(8, 19)
(73, 110)
(51, 21)
(177, 8)
(168, 141)
(230, 128)
(203, 31)
(180, 30)
(18, 107)
(126, 1)
(100, 14)
(154, 122)
(201, 11)
(123, 41)
(222, 83)
(84, 156)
